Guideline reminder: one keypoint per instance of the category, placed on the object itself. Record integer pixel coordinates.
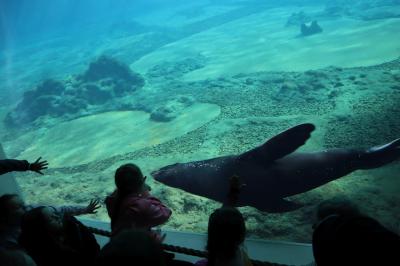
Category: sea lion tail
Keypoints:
(379, 155)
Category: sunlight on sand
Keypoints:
(261, 43)
(101, 136)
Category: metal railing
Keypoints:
(184, 250)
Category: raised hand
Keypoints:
(235, 186)
(92, 206)
(38, 166)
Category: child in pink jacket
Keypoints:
(131, 205)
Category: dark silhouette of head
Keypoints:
(338, 206)
(15, 257)
(226, 231)
(12, 208)
(39, 229)
(128, 178)
(52, 238)
(354, 240)
(131, 247)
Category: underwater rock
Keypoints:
(70, 105)
(45, 102)
(36, 103)
(106, 79)
(289, 90)
(395, 87)
(164, 114)
(47, 87)
(95, 94)
(106, 67)
(338, 84)
(304, 88)
(186, 100)
(316, 74)
(312, 29)
(49, 98)
(318, 85)
(333, 94)
(288, 86)
(121, 87)
(171, 70)
(296, 19)
(171, 109)
(50, 87)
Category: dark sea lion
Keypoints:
(272, 171)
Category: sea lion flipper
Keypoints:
(281, 145)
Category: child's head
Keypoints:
(12, 208)
(15, 257)
(129, 178)
(336, 206)
(354, 240)
(131, 247)
(226, 231)
(40, 227)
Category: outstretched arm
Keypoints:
(9, 165)
(72, 210)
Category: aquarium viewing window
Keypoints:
(195, 92)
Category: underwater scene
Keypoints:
(293, 97)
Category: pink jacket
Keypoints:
(138, 211)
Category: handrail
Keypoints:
(184, 250)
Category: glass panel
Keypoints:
(91, 85)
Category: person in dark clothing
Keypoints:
(15, 257)
(345, 236)
(135, 247)
(12, 209)
(335, 206)
(131, 247)
(226, 232)
(10, 165)
(52, 239)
